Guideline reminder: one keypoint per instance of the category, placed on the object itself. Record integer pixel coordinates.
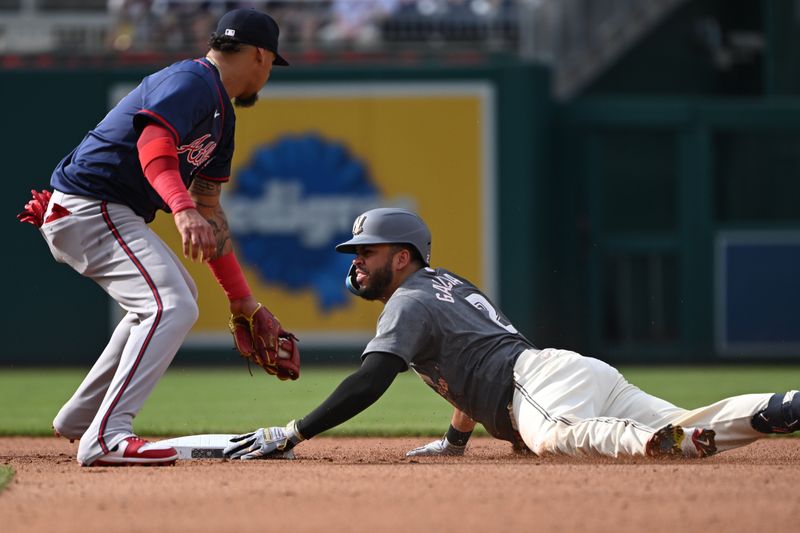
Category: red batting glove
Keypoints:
(34, 210)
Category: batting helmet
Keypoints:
(387, 225)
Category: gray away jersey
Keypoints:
(457, 341)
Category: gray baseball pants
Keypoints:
(113, 246)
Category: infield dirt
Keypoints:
(339, 484)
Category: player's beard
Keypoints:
(379, 281)
(245, 101)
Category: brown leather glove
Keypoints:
(260, 338)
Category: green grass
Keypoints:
(228, 400)
(224, 400)
(692, 387)
(6, 475)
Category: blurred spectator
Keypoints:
(356, 22)
(300, 21)
(440, 21)
(134, 25)
(179, 26)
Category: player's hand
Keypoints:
(197, 235)
(441, 447)
(264, 443)
(244, 306)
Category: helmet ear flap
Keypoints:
(350, 281)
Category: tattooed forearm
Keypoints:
(222, 232)
(205, 193)
(206, 197)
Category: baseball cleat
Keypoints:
(666, 442)
(703, 440)
(134, 451)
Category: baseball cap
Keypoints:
(248, 26)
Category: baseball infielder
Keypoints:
(548, 401)
(172, 132)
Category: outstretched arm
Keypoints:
(461, 422)
(357, 392)
(455, 440)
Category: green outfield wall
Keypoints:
(61, 318)
(612, 214)
(668, 198)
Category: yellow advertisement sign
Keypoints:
(310, 158)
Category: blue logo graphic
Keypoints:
(292, 203)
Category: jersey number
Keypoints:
(483, 305)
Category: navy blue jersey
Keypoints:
(188, 99)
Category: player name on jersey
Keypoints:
(444, 285)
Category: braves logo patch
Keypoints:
(199, 151)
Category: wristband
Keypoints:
(230, 276)
(456, 437)
(293, 434)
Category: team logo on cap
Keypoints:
(230, 33)
(292, 203)
(358, 225)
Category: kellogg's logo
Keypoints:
(292, 203)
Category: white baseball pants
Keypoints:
(565, 403)
(112, 245)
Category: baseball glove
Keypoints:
(260, 338)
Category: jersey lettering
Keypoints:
(482, 304)
(444, 285)
(198, 152)
(447, 331)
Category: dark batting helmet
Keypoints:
(387, 225)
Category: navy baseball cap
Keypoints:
(249, 26)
